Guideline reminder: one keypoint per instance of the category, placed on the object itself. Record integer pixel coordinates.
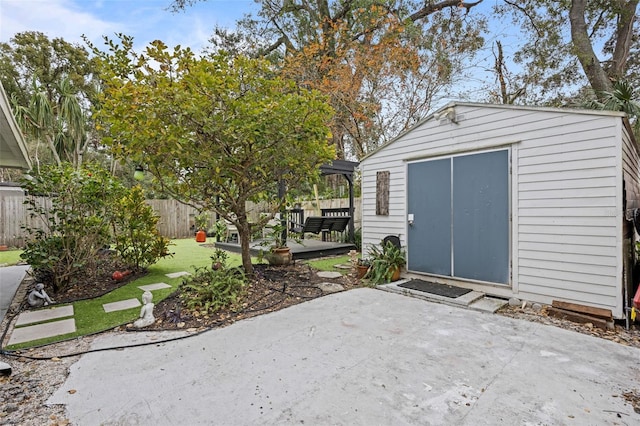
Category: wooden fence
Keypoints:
(176, 219)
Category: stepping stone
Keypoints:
(41, 331)
(44, 315)
(121, 305)
(329, 274)
(151, 287)
(342, 266)
(330, 287)
(177, 274)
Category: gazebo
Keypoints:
(346, 169)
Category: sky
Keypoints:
(148, 20)
(145, 20)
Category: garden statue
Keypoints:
(146, 313)
(38, 297)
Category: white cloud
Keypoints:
(55, 18)
(145, 20)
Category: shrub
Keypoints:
(70, 214)
(209, 290)
(137, 240)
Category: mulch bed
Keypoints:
(272, 289)
(92, 285)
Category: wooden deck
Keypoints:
(306, 249)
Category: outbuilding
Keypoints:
(526, 202)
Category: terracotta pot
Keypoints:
(201, 236)
(362, 270)
(280, 256)
(396, 275)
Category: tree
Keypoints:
(51, 84)
(214, 131)
(623, 98)
(380, 62)
(573, 43)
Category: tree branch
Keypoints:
(431, 8)
(584, 49)
(624, 38)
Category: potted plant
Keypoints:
(363, 267)
(386, 263)
(202, 221)
(279, 252)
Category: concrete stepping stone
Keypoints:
(121, 305)
(41, 331)
(342, 266)
(177, 274)
(330, 287)
(329, 274)
(156, 286)
(31, 317)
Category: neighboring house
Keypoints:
(535, 203)
(13, 151)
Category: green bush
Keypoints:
(137, 240)
(209, 290)
(70, 216)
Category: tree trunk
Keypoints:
(594, 71)
(244, 234)
(624, 37)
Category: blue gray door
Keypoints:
(460, 211)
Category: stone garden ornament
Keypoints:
(146, 312)
(38, 297)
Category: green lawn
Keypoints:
(9, 257)
(90, 316)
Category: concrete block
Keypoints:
(121, 305)
(41, 331)
(177, 274)
(41, 315)
(156, 286)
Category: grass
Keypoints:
(89, 314)
(328, 264)
(10, 257)
(90, 317)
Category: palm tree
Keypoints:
(624, 98)
(60, 122)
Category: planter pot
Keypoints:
(201, 236)
(396, 275)
(279, 256)
(362, 270)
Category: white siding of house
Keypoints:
(566, 200)
(631, 177)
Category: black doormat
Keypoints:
(433, 288)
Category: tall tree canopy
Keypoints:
(572, 44)
(215, 131)
(52, 85)
(380, 62)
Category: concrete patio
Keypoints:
(359, 357)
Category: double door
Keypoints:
(459, 216)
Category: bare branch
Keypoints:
(431, 8)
